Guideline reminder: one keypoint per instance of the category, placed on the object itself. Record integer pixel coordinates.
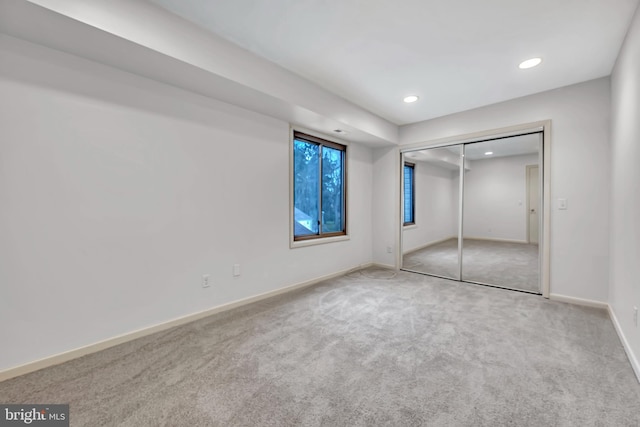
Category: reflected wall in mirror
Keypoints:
(500, 218)
(430, 234)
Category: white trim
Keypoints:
(495, 239)
(578, 301)
(379, 265)
(130, 336)
(319, 241)
(633, 360)
(477, 136)
(120, 339)
(545, 240)
(625, 344)
(399, 234)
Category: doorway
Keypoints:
(476, 212)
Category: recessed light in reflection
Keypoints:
(488, 153)
(530, 63)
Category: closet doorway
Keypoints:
(471, 211)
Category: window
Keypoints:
(409, 194)
(319, 188)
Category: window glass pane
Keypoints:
(408, 194)
(332, 190)
(306, 162)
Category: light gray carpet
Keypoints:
(359, 350)
(511, 265)
(440, 259)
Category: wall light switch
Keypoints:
(562, 204)
(236, 270)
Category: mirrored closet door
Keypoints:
(431, 188)
(471, 212)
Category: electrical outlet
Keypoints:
(389, 249)
(562, 204)
(635, 316)
(205, 280)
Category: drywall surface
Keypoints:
(580, 173)
(436, 211)
(118, 193)
(495, 198)
(624, 288)
(386, 200)
(167, 48)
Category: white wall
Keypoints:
(436, 214)
(624, 289)
(495, 199)
(386, 202)
(118, 193)
(169, 49)
(580, 173)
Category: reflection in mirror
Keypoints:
(500, 219)
(431, 188)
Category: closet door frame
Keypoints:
(542, 126)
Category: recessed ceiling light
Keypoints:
(340, 131)
(530, 63)
(411, 98)
(488, 153)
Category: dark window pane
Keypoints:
(306, 163)
(332, 190)
(408, 194)
(319, 170)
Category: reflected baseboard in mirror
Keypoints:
(499, 263)
(491, 262)
(438, 258)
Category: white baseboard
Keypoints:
(579, 301)
(376, 264)
(495, 239)
(488, 239)
(130, 336)
(623, 339)
(598, 304)
(120, 339)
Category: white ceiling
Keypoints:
(455, 54)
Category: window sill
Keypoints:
(409, 227)
(319, 241)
